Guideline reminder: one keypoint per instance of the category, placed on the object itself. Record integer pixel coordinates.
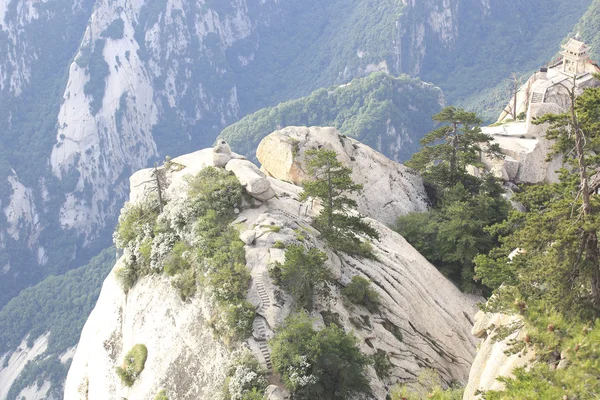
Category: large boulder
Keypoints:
(526, 160)
(389, 188)
(252, 179)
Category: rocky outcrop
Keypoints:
(389, 188)
(423, 321)
(252, 179)
(491, 361)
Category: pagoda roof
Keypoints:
(575, 46)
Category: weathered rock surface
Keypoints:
(491, 361)
(524, 142)
(252, 179)
(183, 358)
(389, 188)
(423, 321)
(11, 365)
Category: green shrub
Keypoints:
(178, 260)
(215, 189)
(133, 364)
(359, 291)
(303, 275)
(162, 395)
(279, 245)
(246, 379)
(382, 364)
(238, 318)
(134, 220)
(427, 386)
(272, 228)
(185, 282)
(319, 365)
(127, 276)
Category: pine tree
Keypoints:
(577, 137)
(331, 184)
(449, 149)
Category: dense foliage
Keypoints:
(428, 385)
(548, 267)
(359, 291)
(387, 113)
(448, 150)
(246, 378)
(319, 365)
(59, 305)
(133, 364)
(303, 274)
(455, 230)
(332, 183)
(191, 240)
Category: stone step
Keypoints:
(537, 97)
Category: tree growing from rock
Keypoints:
(359, 291)
(332, 183)
(321, 365)
(449, 149)
(558, 231)
(303, 274)
(577, 136)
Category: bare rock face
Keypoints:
(526, 160)
(252, 179)
(491, 362)
(183, 357)
(423, 321)
(389, 188)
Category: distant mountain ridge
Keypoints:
(389, 114)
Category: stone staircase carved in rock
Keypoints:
(537, 97)
(260, 322)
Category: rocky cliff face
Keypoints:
(491, 361)
(94, 89)
(135, 80)
(424, 319)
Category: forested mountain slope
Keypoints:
(389, 114)
(52, 312)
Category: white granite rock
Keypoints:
(252, 179)
(424, 320)
(389, 188)
(491, 361)
(248, 237)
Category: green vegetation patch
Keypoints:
(98, 70)
(457, 228)
(331, 182)
(303, 274)
(359, 291)
(115, 30)
(162, 395)
(246, 378)
(191, 241)
(365, 109)
(133, 364)
(428, 385)
(319, 365)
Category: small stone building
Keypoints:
(546, 91)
